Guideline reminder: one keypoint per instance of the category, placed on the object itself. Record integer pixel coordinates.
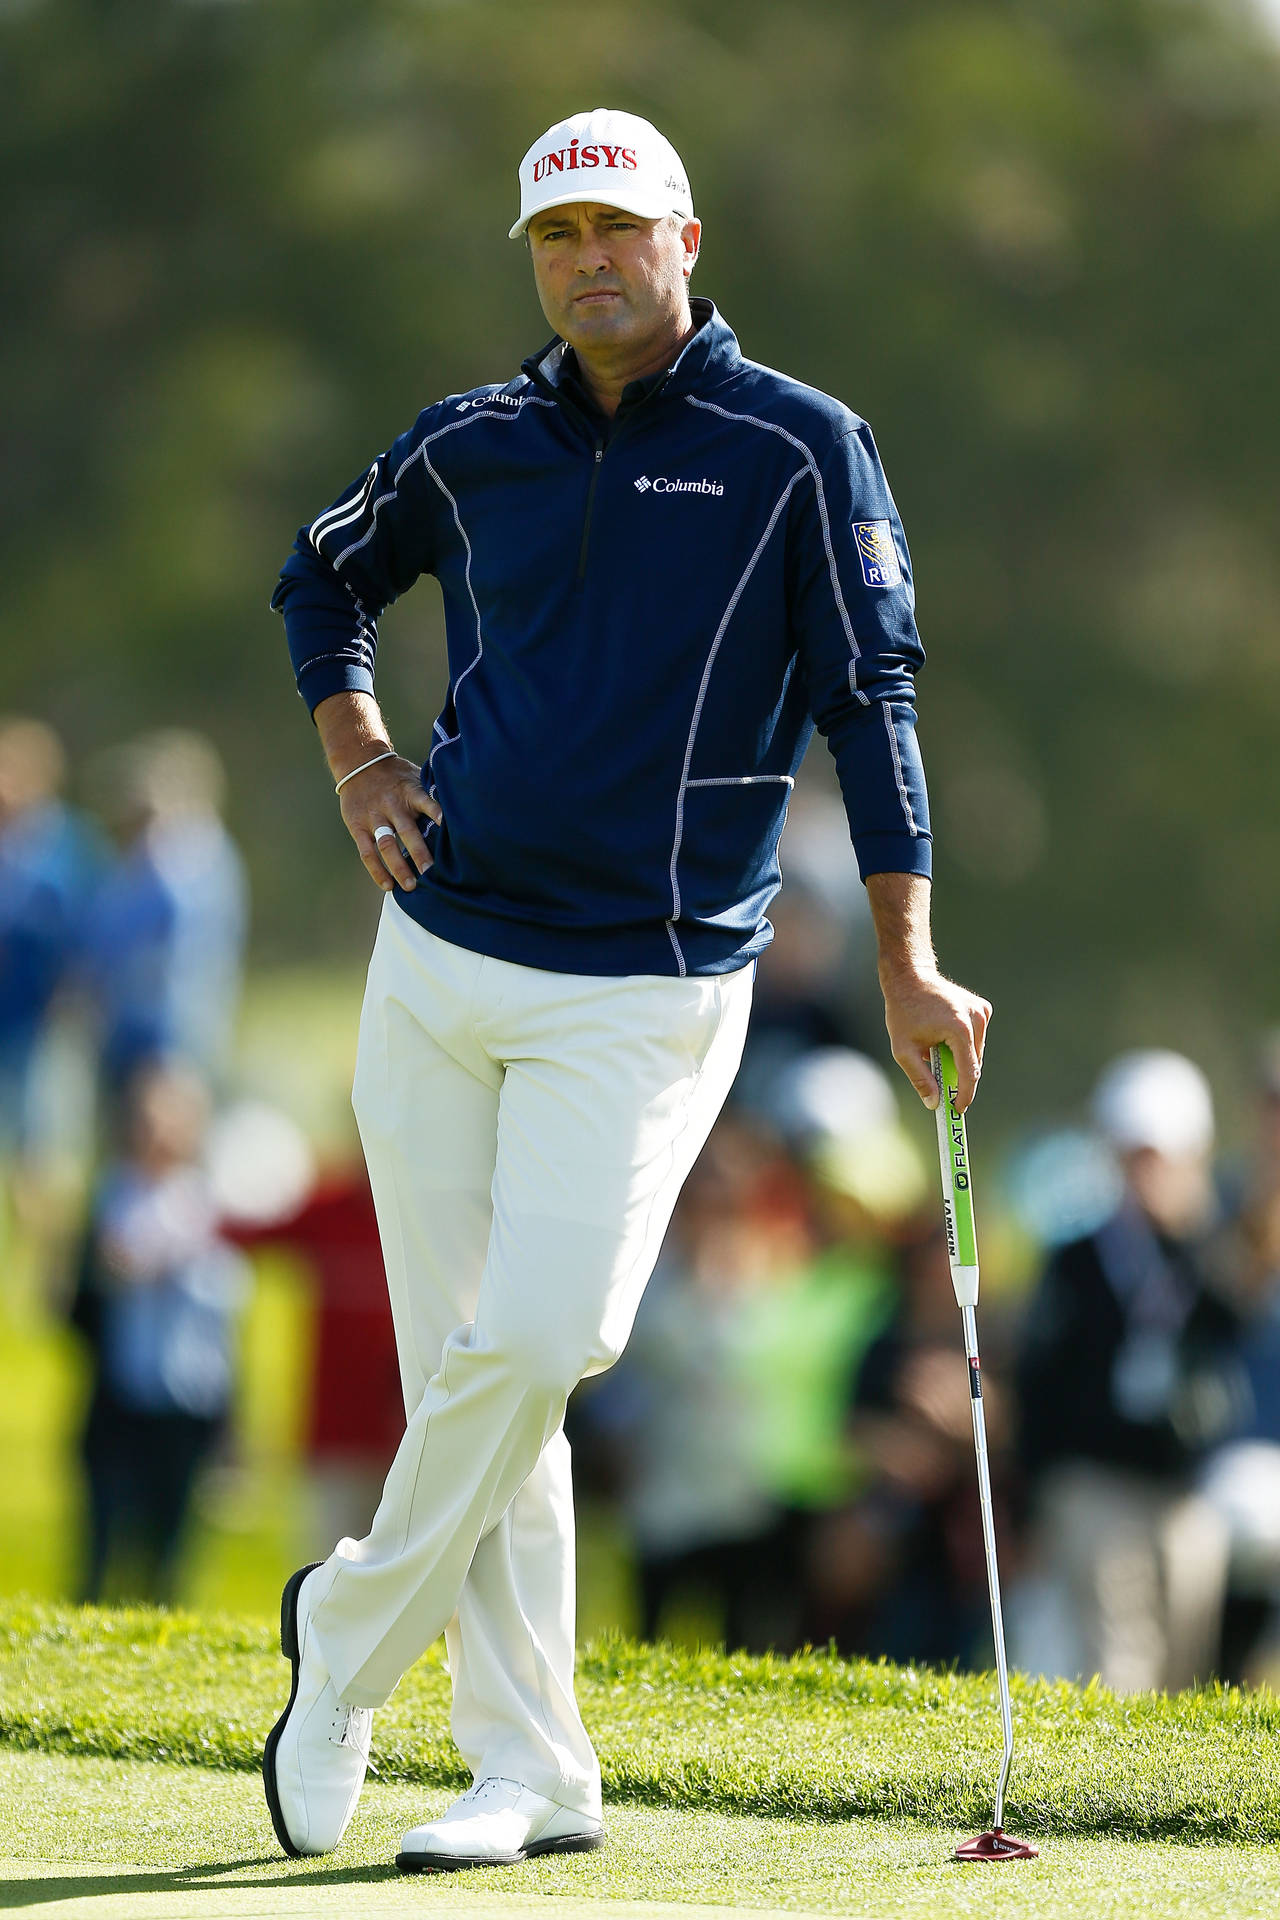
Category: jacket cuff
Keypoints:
(894, 853)
(320, 678)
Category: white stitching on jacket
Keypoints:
(752, 420)
(721, 630)
(449, 739)
(365, 661)
(366, 631)
(742, 780)
(904, 796)
(532, 400)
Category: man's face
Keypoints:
(1174, 1190)
(607, 278)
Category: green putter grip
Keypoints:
(957, 1181)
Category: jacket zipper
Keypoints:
(591, 500)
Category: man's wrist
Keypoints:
(897, 970)
(900, 914)
(352, 732)
(375, 760)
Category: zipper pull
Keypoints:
(599, 452)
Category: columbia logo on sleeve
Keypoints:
(877, 553)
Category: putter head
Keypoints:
(996, 1845)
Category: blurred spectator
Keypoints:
(797, 1005)
(861, 1179)
(355, 1410)
(168, 923)
(1242, 1479)
(1124, 1383)
(812, 988)
(676, 1414)
(725, 1422)
(1061, 1183)
(805, 1336)
(899, 1572)
(48, 858)
(157, 1302)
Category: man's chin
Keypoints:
(599, 320)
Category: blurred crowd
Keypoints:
(788, 1437)
(785, 1449)
(789, 1434)
(133, 1177)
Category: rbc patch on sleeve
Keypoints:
(877, 553)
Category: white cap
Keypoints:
(882, 1170)
(832, 1093)
(259, 1162)
(616, 159)
(1155, 1099)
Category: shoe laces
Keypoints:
(483, 1788)
(350, 1726)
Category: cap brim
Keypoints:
(625, 202)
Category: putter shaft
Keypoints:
(962, 1252)
(970, 1321)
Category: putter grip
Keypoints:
(957, 1184)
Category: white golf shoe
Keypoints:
(495, 1824)
(314, 1761)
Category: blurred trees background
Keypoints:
(1036, 242)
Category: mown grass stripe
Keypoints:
(812, 1737)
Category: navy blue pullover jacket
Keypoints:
(645, 619)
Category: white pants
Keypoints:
(527, 1134)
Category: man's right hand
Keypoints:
(390, 794)
(383, 806)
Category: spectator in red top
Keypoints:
(355, 1417)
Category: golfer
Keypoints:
(661, 565)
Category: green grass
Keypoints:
(812, 1738)
(173, 1842)
(130, 1788)
(41, 1395)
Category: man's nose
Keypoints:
(592, 258)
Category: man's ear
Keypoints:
(691, 239)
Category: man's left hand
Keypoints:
(923, 1009)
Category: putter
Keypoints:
(962, 1252)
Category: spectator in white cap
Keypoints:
(662, 565)
(1127, 1377)
(1155, 1110)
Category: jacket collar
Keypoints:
(705, 361)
